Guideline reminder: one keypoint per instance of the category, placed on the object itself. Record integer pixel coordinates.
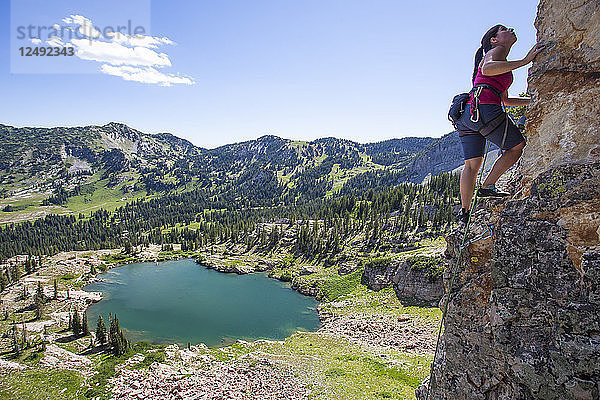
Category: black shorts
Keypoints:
(473, 143)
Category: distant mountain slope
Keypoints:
(393, 151)
(70, 161)
(443, 154)
(61, 152)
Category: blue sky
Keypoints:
(365, 71)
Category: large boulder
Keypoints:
(378, 272)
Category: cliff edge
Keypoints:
(523, 317)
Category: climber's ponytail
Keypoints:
(478, 57)
(486, 45)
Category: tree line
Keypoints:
(403, 208)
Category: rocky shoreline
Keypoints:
(192, 374)
(400, 333)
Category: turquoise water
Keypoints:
(181, 301)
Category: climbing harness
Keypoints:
(477, 89)
(459, 103)
(464, 244)
(475, 105)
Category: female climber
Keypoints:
(491, 68)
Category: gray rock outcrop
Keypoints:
(415, 282)
(417, 286)
(378, 273)
(523, 319)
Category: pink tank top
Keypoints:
(500, 82)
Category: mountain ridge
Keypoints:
(66, 161)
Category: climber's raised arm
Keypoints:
(495, 61)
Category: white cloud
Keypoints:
(86, 28)
(117, 54)
(145, 75)
(133, 58)
(55, 41)
(36, 40)
(138, 40)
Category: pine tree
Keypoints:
(24, 337)
(15, 340)
(3, 280)
(116, 337)
(76, 324)
(39, 301)
(113, 334)
(100, 330)
(16, 273)
(85, 328)
(28, 265)
(55, 289)
(123, 344)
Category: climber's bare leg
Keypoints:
(467, 180)
(502, 164)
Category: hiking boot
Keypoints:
(464, 216)
(491, 191)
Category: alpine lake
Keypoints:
(181, 301)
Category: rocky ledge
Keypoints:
(523, 320)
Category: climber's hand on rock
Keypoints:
(533, 52)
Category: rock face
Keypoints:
(523, 319)
(417, 286)
(414, 285)
(563, 124)
(379, 273)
